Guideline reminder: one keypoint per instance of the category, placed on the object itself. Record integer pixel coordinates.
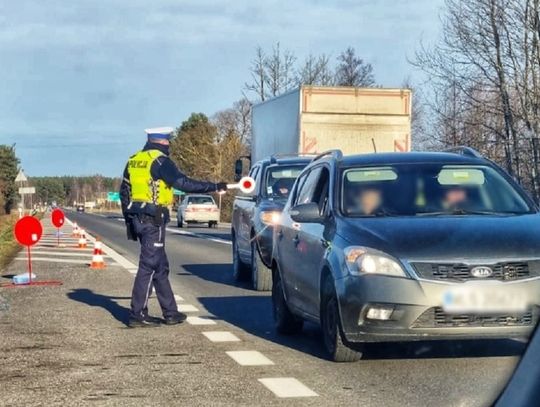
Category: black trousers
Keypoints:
(153, 271)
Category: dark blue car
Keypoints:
(406, 246)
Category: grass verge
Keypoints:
(8, 245)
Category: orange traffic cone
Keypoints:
(97, 257)
(82, 239)
(75, 232)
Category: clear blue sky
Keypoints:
(80, 80)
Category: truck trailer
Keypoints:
(313, 119)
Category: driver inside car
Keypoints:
(454, 198)
(367, 201)
(282, 186)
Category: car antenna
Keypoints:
(374, 145)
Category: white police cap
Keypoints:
(160, 132)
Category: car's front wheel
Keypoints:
(336, 347)
(261, 276)
(285, 322)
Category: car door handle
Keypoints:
(296, 240)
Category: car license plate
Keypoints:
(485, 297)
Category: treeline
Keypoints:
(66, 190)
(9, 164)
(277, 71)
(484, 88)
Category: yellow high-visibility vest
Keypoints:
(143, 187)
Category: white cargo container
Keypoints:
(312, 119)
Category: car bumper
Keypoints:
(417, 311)
(201, 217)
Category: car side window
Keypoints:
(254, 171)
(307, 189)
(320, 193)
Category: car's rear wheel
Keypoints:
(284, 321)
(180, 221)
(240, 269)
(261, 276)
(336, 347)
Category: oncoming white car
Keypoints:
(198, 209)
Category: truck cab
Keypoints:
(254, 215)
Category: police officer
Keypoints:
(146, 192)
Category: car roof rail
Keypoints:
(464, 150)
(275, 157)
(336, 153)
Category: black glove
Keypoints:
(221, 186)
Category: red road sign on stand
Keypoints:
(28, 231)
(58, 219)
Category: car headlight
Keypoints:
(270, 217)
(363, 260)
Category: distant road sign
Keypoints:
(21, 177)
(27, 190)
(113, 196)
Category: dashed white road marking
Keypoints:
(221, 336)
(187, 308)
(206, 237)
(249, 358)
(200, 321)
(284, 387)
(178, 298)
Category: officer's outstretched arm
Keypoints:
(165, 169)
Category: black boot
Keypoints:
(146, 322)
(175, 319)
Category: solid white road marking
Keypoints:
(205, 237)
(221, 336)
(287, 387)
(187, 308)
(200, 321)
(178, 298)
(249, 358)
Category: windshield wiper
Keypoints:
(466, 212)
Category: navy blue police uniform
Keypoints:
(146, 222)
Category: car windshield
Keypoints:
(280, 180)
(200, 200)
(429, 190)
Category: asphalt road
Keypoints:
(423, 373)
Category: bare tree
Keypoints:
(353, 71)
(258, 75)
(272, 74)
(234, 121)
(279, 71)
(315, 71)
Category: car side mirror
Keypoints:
(306, 213)
(238, 169)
